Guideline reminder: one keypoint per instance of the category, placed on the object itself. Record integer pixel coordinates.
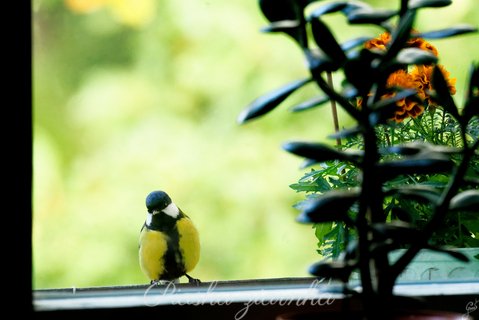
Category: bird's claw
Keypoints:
(192, 280)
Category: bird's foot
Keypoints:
(193, 280)
(159, 282)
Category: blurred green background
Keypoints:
(132, 96)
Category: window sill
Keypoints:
(244, 299)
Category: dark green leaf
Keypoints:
(401, 34)
(473, 86)
(416, 4)
(318, 61)
(327, 8)
(384, 109)
(417, 56)
(281, 10)
(332, 270)
(471, 106)
(270, 101)
(276, 10)
(442, 93)
(412, 148)
(417, 192)
(407, 149)
(398, 231)
(401, 214)
(346, 133)
(327, 42)
(350, 44)
(281, 26)
(330, 206)
(449, 32)
(320, 152)
(309, 104)
(465, 201)
(360, 71)
(423, 163)
(363, 16)
(308, 163)
(354, 6)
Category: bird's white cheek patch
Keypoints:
(172, 210)
(149, 218)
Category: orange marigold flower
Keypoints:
(401, 79)
(379, 42)
(419, 78)
(405, 107)
(382, 41)
(422, 44)
(422, 75)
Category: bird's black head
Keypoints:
(157, 200)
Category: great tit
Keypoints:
(169, 242)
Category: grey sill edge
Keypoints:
(226, 292)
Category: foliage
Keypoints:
(404, 171)
(122, 109)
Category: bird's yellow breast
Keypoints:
(189, 243)
(153, 245)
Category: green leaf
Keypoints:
(327, 8)
(471, 225)
(330, 206)
(398, 231)
(423, 163)
(417, 192)
(471, 106)
(281, 26)
(318, 61)
(327, 42)
(281, 10)
(401, 34)
(276, 10)
(384, 109)
(321, 229)
(449, 32)
(465, 201)
(363, 16)
(321, 152)
(353, 43)
(442, 93)
(309, 104)
(401, 214)
(346, 133)
(270, 101)
(415, 147)
(416, 4)
(417, 56)
(360, 72)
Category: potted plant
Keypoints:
(413, 121)
(383, 197)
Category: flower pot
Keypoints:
(435, 266)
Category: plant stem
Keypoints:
(334, 109)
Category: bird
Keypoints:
(169, 245)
